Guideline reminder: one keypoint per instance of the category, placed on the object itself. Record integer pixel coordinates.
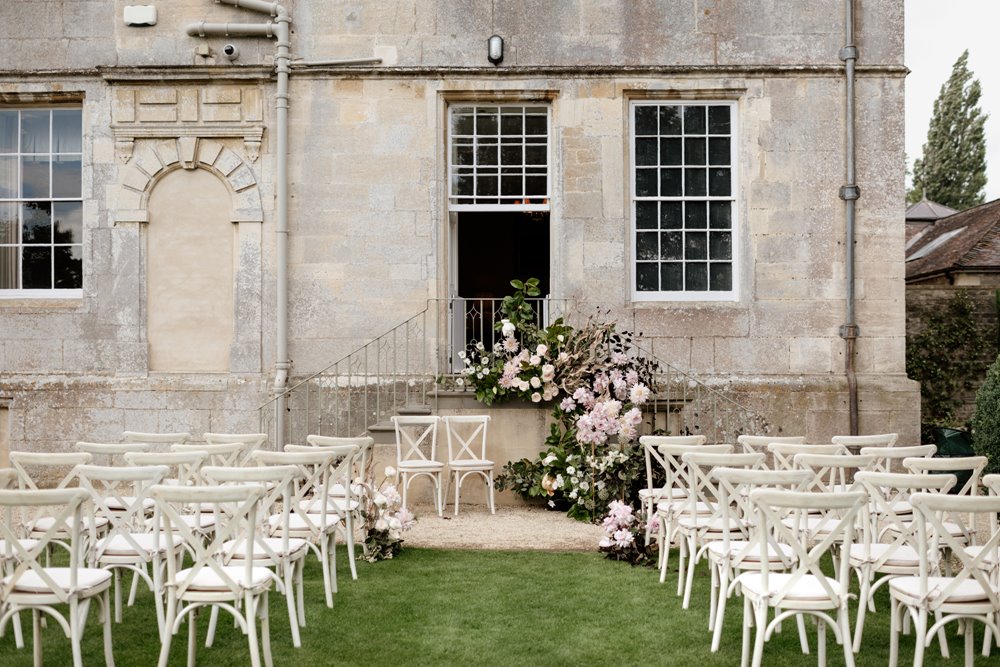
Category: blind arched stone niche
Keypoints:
(153, 160)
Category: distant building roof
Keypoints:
(968, 241)
(926, 210)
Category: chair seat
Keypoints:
(43, 523)
(298, 524)
(87, 580)
(419, 466)
(127, 502)
(333, 504)
(904, 555)
(471, 464)
(953, 529)
(719, 550)
(339, 490)
(907, 589)
(662, 492)
(27, 543)
(989, 561)
(681, 507)
(807, 590)
(208, 580)
(236, 549)
(713, 525)
(119, 545)
(814, 525)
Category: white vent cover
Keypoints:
(140, 15)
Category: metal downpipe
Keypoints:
(850, 193)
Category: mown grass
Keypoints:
(447, 607)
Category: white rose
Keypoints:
(380, 500)
(395, 524)
(535, 360)
(535, 382)
(381, 525)
(508, 328)
(390, 471)
(560, 338)
(536, 398)
(541, 350)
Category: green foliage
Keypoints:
(943, 358)
(986, 419)
(952, 170)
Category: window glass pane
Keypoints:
(645, 152)
(646, 278)
(696, 277)
(694, 151)
(645, 245)
(8, 131)
(36, 222)
(68, 266)
(10, 267)
(535, 186)
(66, 131)
(670, 215)
(670, 151)
(534, 154)
(720, 245)
(34, 131)
(486, 154)
(8, 177)
(645, 182)
(511, 123)
(8, 222)
(538, 125)
(719, 182)
(462, 124)
(720, 214)
(721, 276)
(695, 245)
(670, 120)
(645, 120)
(672, 276)
(511, 185)
(694, 215)
(512, 155)
(68, 219)
(718, 150)
(66, 176)
(694, 182)
(36, 267)
(645, 215)
(461, 184)
(694, 120)
(718, 120)
(34, 177)
(486, 124)
(671, 245)
(670, 182)
(486, 184)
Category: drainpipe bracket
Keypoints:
(849, 331)
(849, 53)
(850, 192)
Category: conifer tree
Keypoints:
(952, 170)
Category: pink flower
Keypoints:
(567, 405)
(541, 350)
(548, 372)
(510, 344)
(624, 538)
(640, 394)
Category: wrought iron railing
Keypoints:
(400, 371)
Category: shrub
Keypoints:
(986, 419)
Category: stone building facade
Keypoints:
(168, 321)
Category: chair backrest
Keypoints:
(53, 470)
(184, 466)
(859, 441)
(466, 436)
(416, 437)
(703, 488)
(8, 478)
(991, 482)
(841, 514)
(233, 507)
(974, 464)
(311, 486)
(65, 506)
(111, 453)
(365, 443)
(755, 443)
(656, 465)
(119, 494)
(784, 452)
(832, 472)
(935, 536)
(163, 439)
(885, 457)
(253, 441)
(669, 457)
(220, 454)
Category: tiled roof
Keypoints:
(926, 209)
(965, 241)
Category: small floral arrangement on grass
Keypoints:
(385, 520)
(625, 536)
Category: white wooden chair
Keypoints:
(890, 459)
(274, 548)
(222, 454)
(361, 477)
(752, 444)
(110, 453)
(783, 453)
(416, 454)
(253, 441)
(832, 473)
(466, 435)
(962, 530)
(241, 590)
(859, 441)
(739, 550)
(656, 470)
(161, 441)
(889, 548)
(805, 588)
(971, 594)
(32, 586)
(8, 480)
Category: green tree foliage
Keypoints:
(952, 170)
(986, 419)
(943, 357)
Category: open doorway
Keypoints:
(494, 248)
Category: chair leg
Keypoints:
(747, 622)
(760, 621)
(117, 584)
(689, 580)
(720, 610)
(920, 630)
(489, 484)
(213, 619)
(970, 650)
(74, 631)
(293, 622)
(349, 539)
(800, 625)
(36, 637)
(168, 631)
(458, 487)
(265, 630)
(133, 590)
(821, 643)
(845, 634)
(18, 634)
(942, 637)
(324, 561)
(250, 614)
(893, 632)
(193, 636)
(299, 600)
(862, 609)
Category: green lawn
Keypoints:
(436, 607)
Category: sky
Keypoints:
(936, 34)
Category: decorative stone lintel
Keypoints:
(126, 134)
(137, 215)
(247, 215)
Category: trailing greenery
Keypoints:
(944, 358)
(986, 419)
(952, 170)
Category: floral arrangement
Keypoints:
(385, 520)
(624, 536)
(596, 383)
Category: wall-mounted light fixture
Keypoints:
(495, 49)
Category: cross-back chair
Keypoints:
(890, 459)
(253, 441)
(658, 476)
(416, 454)
(8, 480)
(466, 437)
(159, 441)
(783, 453)
(973, 466)
(752, 444)
(222, 454)
(859, 441)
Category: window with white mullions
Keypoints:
(683, 200)
(41, 203)
(498, 158)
